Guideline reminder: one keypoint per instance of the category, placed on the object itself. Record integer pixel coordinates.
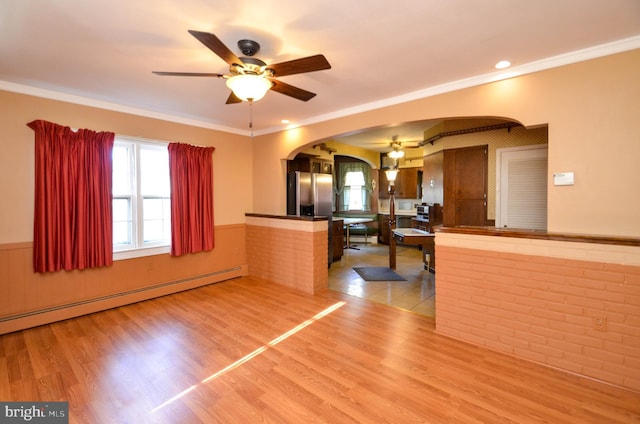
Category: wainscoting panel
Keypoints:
(28, 299)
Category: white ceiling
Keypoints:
(102, 52)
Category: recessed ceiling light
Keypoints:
(503, 64)
(285, 121)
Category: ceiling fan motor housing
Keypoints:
(248, 47)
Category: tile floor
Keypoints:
(417, 294)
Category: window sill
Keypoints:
(139, 253)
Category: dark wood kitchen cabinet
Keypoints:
(429, 255)
(338, 238)
(384, 232)
(408, 182)
(383, 186)
(307, 163)
(383, 229)
(433, 178)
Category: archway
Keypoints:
(443, 134)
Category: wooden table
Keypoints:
(348, 222)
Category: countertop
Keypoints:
(412, 232)
(400, 212)
(540, 235)
(289, 217)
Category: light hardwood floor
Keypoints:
(249, 351)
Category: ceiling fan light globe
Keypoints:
(249, 87)
(396, 154)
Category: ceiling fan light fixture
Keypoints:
(249, 87)
(396, 154)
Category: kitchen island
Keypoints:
(403, 220)
(424, 239)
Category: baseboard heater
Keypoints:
(120, 294)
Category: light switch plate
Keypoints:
(563, 178)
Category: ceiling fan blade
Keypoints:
(215, 45)
(298, 66)
(233, 99)
(291, 91)
(188, 74)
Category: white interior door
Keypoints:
(521, 190)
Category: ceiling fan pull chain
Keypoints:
(251, 117)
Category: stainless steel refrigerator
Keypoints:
(311, 194)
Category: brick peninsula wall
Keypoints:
(572, 303)
(287, 250)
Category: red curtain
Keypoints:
(73, 205)
(191, 174)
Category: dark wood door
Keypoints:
(465, 186)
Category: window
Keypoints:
(354, 186)
(354, 182)
(141, 197)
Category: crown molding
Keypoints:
(116, 107)
(528, 68)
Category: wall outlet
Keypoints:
(600, 322)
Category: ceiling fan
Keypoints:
(396, 148)
(250, 78)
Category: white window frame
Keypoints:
(138, 247)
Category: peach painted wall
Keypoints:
(23, 293)
(231, 159)
(590, 108)
(541, 300)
